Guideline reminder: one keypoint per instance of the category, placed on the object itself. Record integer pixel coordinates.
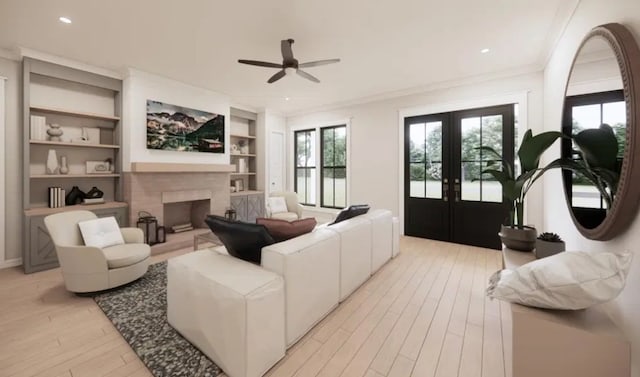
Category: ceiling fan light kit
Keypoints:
(289, 64)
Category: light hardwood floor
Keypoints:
(423, 314)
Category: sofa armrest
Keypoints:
(81, 259)
(132, 235)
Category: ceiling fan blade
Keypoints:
(318, 62)
(260, 64)
(285, 46)
(307, 76)
(277, 76)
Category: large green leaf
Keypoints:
(532, 148)
(598, 146)
(490, 151)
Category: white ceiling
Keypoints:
(385, 46)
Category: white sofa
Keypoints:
(319, 269)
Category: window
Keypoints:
(334, 167)
(330, 148)
(305, 172)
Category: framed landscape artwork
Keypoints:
(177, 128)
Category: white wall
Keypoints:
(138, 88)
(626, 309)
(12, 171)
(375, 147)
(2, 164)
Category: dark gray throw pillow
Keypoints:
(242, 240)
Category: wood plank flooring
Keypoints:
(424, 314)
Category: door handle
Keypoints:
(456, 190)
(445, 191)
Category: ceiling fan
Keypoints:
(289, 64)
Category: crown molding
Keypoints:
(26, 52)
(521, 71)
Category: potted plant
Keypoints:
(515, 234)
(548, 244)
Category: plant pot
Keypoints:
(522, 239)
(546, 248)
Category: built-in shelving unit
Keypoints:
(87, 107)
(249, 201)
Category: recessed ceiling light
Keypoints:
(286, 98)
(65, 20)
(484, 50)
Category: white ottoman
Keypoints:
(232, 310)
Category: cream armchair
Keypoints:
(294, 209)
(90, 269)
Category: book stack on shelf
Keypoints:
(38, 127)
(56, 197)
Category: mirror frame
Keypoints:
(625, 204)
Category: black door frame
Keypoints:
(451, 137)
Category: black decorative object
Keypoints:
(75, 196)
(149, 225)
(230, 214)
(94, 193)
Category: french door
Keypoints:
(447, 197)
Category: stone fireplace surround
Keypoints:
(151, 191)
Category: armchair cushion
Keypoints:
(277, 204)
(101, 233)
(286, 216)
(126, 255)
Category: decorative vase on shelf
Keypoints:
(64, 168)
(54, 132)
(75, 196)
(52, 162)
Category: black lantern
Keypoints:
(230, 214)
(149, 226)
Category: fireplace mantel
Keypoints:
(170, 167)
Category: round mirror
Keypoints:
(602, 154)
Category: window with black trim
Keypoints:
(333, 182)
(305, 169)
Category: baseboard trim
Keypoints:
(10, 263)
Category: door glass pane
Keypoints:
(417, 178)
(434, 180)
(584, 117)
(470, 189)
(491, 190)
(492, 135)
(417, 142)
(615, 115)
(470, 128)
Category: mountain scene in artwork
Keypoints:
(177, 128)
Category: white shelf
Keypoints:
(56, 176)
(41, 211)
(239, 174)
(51, 110)
(246, 192)
(79, 145)
(242, 136)
(242, 155)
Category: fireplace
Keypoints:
(177, 199)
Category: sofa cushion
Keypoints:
(350, 212)
(242, 240)
(101, 233)
(126, 255)
(282, 230)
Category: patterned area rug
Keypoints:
(139, 312)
